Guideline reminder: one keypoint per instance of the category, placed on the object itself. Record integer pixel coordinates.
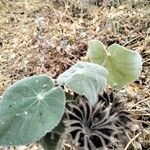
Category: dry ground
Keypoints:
(48, 37)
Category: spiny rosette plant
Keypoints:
(96, 127)
(74, 106)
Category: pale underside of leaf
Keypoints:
(85, 79)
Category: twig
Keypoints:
(132, 40)
(144, 100)
(141, 121)
(136, 136)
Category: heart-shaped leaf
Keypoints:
(29, 109)
(86, 79)
(124, 65)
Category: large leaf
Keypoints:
(86, 79)
(29, 109)
(124, 65)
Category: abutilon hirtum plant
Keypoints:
(33, 108)
(95, 127)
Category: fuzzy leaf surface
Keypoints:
(96, 51)
(86, 79)
(124, 65)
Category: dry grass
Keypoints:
(48, 37)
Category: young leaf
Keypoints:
(29, 109)
(96, 51)
(124, 65)
(86, 79)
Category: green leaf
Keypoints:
(86, 79)
(124, 65)
(96, 51)
(29, 109)
(51, 141)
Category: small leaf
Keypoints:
(29, 109)
(51, 141)
(86, 79)
(124, 65)
(96, 51)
